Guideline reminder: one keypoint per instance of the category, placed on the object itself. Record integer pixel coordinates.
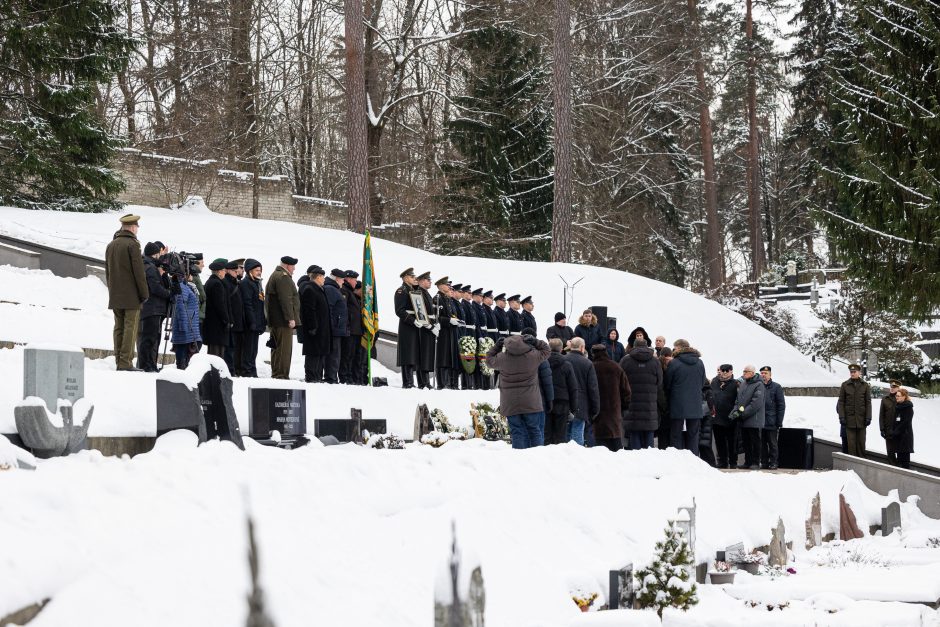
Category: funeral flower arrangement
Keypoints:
(467, 346)
(722, 567)
(754, 557)
(485, 344)
(488, 423)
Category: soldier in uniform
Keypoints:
(408, 340)
(493, 327)
(528, 320)
(427, 334)
(472, 330)
(502, 318)
(515, 316)
(447, 358)
(483, 330)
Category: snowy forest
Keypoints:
(703, 142)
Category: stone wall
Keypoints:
(162, 181)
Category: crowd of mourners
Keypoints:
(582, 385)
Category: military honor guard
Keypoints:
(409, 346)
(446, 353)
(515, 316)
(427, 333)
(528, 320)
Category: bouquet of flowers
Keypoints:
(468, 353)
(485, 344)
(488, 423)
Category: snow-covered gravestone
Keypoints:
(54, 373)
(814, 524)
(277, 409)
(890, 518)
(178, 405)
(459, 600)
(690, 536)
(778, 545)
(735, 553)
(215, 394)
(423, 423)
(622, 589)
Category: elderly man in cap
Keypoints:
(560, 330)
(233, 352)
(217, 330)
(127, 288)
(352, 343)
(339, 323)
(887, 419)
(315, 333)
(775, 406)
(409, 343)
(251, 291)
(447, 357)
(282, 307)
(854, 409)
(528, 320)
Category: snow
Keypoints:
(662, 309)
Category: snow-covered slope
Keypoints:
(721, 335)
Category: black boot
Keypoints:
(423, 379)
(407, 377)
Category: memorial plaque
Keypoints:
(282, 410)
(890, 518)
(343, 429)
(179, 407)
(53, 374)
(735, 553)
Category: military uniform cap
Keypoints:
(466, 288)
(351, 274)
(240, 263)
(287, 260)
(129, 219)
(425, 275)
(231, 265)
(338, 273)
(407, 272)
(478, 291)
(488, 294)
(513, 298)
(527, 299)
(894, 383)
(765, 369)
(854, 367)
(456, 287)
(441, 281)
(221, 260)
(500, 296)
(315, 269)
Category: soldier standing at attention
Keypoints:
(515, 316)
(528, 320)
(127, 289)
(446, 353)
(282, 304)
(854, 408)
(408, 326)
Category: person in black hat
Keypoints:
(447, 356)
(339, 322)
(409, 347)
(854, 409)
(315, 334)
(351, 345)
(887, 420)
(196, 267)
(480, 380)
(775, 406)
(491, 323)
(502, 317)
(427, 335)
(127, 288)
(282, 308)
(233, 352)
(560, 330)
(515, 316)
(251, 291)
(460, 376)
(528, 320)
(472, 329)
(727, 432)
(218, 325)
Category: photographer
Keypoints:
(186, 334)
(154, 310)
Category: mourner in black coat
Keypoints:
(446, 347)
(408, 356)
(645, 374)
(528, 320)
(561, 331)
(216, 332)
(315, 334)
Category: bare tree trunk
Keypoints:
(253, 118)
(713, 257)
(561, 90)
(357, 133)
(753, 164)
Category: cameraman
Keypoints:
(154, 310)
(187, 339)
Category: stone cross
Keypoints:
(690, 535)
(53, 374)
(778, 545)
(814, 524)
(890, 518)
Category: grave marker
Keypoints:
(778, 545)
(53, 374)
(277, 409)
(814, 524)
(735, 553)
(890, 518)
(622, 592)
(848, 525)
(215, 395)
(423, 422)
(178, 407)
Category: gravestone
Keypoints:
(355, 415)
(778, 545)
(281, 410)
(890, 518)
(44, 439)
(848, 526)
(344, 429)
(53, 374)
(457, 605)
(814, 524)
(178, 407)
(690, 511)
(423, 422)
(215, 395)
(621, 589)
(735, 553)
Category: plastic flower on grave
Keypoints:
(585, 601)
(791, 571)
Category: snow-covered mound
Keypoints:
(721, 335)
(355, 536)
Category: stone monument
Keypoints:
(814, 524)
(848, 526)
(51, 374)
(458, 603)
(277, 409)
(215, 395)
(179, 407)
(778, 545)
(890, 518)
(45, 439)
(423, 422)
(622, 592)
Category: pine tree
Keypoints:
(667, 580)
(54, 147)
(499, 187)
(858, 325)
(886, 223)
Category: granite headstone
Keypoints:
(814, 524)
(215, 394)
(423, 422)
(890, 518)
(53, 374)
(621, 595)
(275, 409)
(179, 407)
(778, 545)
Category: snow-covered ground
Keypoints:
(721, 335)
(355, 536)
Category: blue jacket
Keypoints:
(186, 316)
(774, 405)
(615, 349)
(683, 382)
(339, 313)
(547, 383)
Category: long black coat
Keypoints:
(252, 305)
(470, 319)
(235, 296)
(903, 431)
(565, 334)
(724, 393)
(447, 355)
(684, 378)
(502, 321)
(588, 396)
(564, 381)
(218, 323)
(425, 336)
(614, 394)
(409, 346)
(528, 321)
(645, 375)
(483, 323)
(515, 322)
(491, 322)
(156, 304)
(315, 333)
(774, 405)
(339, 314)
(353, 310)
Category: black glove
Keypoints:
(312, 333)
(531, 340)
(867, 422)
(499, 343)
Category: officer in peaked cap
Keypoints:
(351, 351)
(127, 288)
(502, 316)
(409, 347)
(515, 316)
(427, 335)
(446, 355)
(528, 320)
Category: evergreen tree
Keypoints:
(858, 325)
(886, 94)
(54, 148)
(667, 581)
(499, 187)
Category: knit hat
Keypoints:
(528, 331)
(560, 316)
(251, 264)
(151, 248)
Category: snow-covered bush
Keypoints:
(667, 580)
(781, 321)
(439, 438)
(840, 555)
(382, 440)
